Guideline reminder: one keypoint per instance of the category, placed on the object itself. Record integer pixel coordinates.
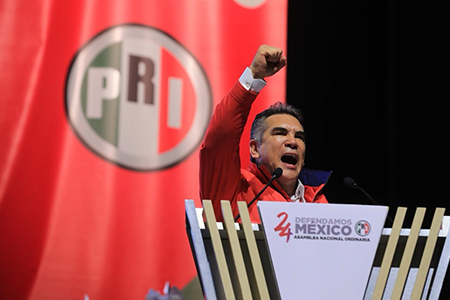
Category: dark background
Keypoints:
(371, 78)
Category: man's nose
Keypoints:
(291, 141)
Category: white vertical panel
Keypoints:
(139, 122)
(175, 103)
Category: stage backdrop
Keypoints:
(103, 107)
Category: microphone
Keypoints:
(276, 174)
(351, 183)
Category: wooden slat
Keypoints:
(389, 254)
(427, 254)
(242, 286)
(444, 258)
(405, 263)
(211, 223)
(262, 291)
(198, 245)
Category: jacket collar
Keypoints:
(263, 174)
(314, 177)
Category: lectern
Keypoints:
(326, 251)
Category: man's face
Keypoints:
(283, 146)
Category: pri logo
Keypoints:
(251, 4)
(362, 228)
(138, 98)
(284, 227)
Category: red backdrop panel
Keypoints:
(78, 220)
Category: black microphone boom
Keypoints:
(351, 183)
(276, 174)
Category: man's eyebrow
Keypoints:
(279, 129)
(285, 130)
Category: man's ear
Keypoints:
(254, 149)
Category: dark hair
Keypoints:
(259, 124)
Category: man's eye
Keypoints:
(280, 133)
(300, 136)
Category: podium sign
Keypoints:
(322, 251)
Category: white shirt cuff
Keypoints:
(251, 84)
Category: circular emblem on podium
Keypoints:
(362, 228)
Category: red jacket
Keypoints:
(221, 176)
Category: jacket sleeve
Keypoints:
(220, 167)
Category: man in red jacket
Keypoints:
(277, 141)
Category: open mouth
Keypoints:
(289, 159)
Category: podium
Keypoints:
(255, 261)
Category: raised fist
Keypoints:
(267, 61)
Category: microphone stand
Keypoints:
(276, 174)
